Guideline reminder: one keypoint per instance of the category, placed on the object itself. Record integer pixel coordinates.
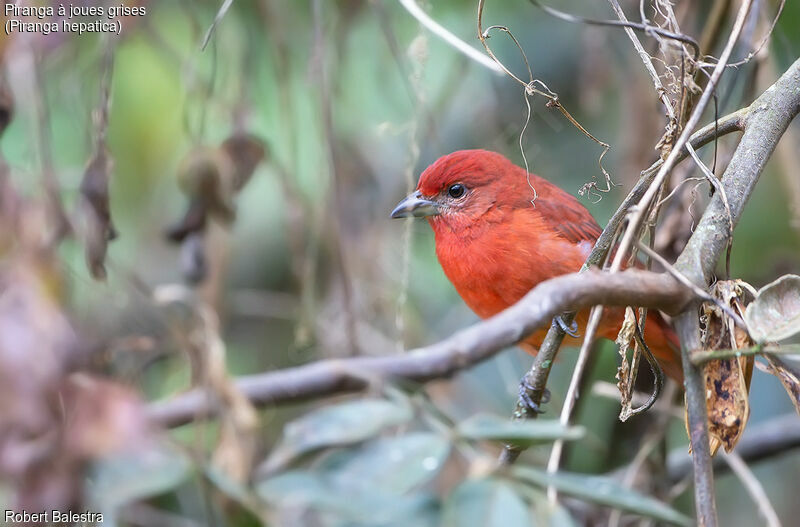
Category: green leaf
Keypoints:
(520, 433)
(301, 488)
(604, 491)
(394, 465)
(370, 483)
(427, 514)
(319, 491)
(486, 503)
(550, 514)
(775, 313)
(342, 424)
(132, 476)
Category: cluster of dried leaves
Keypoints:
(211, 177)
(56, 417)
(772, 316)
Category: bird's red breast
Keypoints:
(495, 242)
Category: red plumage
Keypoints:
(495, 246)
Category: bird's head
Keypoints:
(461, 187)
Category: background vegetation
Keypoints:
(352, 100)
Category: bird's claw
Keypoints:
(528, 403)
(571, 330)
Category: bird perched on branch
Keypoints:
(496, 243)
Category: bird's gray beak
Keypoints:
(415, 205)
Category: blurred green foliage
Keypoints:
(393, 88)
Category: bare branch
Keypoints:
(639, 212)
(766, 121)
(701, 293)
(462, 350)
(648, 63)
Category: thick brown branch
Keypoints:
(464, 349)
(766, 121)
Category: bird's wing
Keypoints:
(579, 232)
(567, 216)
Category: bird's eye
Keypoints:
(456, 191)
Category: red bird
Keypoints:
(495, 246)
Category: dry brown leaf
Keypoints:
(726, 402)
(207, 174)
(99, 226)
(100, 417)
(246, 151)
(727, 380)
(52, 423)
(6, 103)
(625, 377)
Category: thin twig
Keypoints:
(648, 63)
(701, 293)
(714, 181)
(753, 487)
(763, 40)
(437, 29)
(554, 101)
(416, 93)
(638, 213)
(338, 241)
(226, 4)
(647, 29)
(703, 356)
(572, 393)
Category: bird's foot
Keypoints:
(528, 403)
(571, 330)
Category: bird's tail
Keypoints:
(659, 336)
(664, 343)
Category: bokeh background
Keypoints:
(353, 99)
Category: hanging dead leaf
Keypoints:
(775, 313)
(193, 222)
(194, 263)
(246, 151)
(207, 174)
(6, 104)
(625, 371)
(789, 377)
(99, 227)
(727, 380)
